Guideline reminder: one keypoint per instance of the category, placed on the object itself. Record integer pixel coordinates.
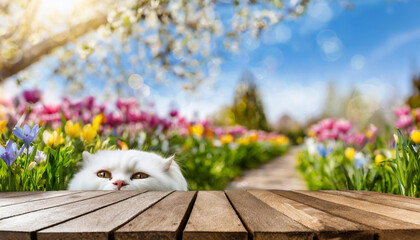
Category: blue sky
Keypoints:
(375, 48)
(372, 48)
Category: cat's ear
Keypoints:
(86, 156)
(168, 162)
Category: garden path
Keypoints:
(279, 173)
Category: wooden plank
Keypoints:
(374, 198)
(26, 207)
(392, 212)
(394, 197)
(24, 226)
(263, 221)
(99, 224)
(326, 225)
(388, 228)
(164, 220)
(33, 197)
(17, 194)
(213, 217)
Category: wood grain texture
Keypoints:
(392, 212)
(16, 194)
(375, 198)
(99, 224)
(263, 221)
(405, 199)
(164, 220)
(33, 197)
(384, 224)
(24, 226)
(26, 207)
(213, 217)
(326, 225)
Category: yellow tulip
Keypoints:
(379, 159)
(123, 146)
(281, 140)
(243, 141)
(72, 130)
(226, 139)
(3, 126)
(415, 136)
(88, 133)
(253, 137)
(198, 130)
(349, 153)
(311, 133)
(53, 139)
(96, 123)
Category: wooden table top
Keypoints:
(253, 214)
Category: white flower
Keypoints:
(39, 156)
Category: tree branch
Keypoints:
(36, 52)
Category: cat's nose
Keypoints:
(120, 184)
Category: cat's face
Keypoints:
(127, 170)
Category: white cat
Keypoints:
(128, 170)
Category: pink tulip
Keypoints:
(32, 96)
(327, 123)
(343, 125)
(404, 121)
(404, 110)
(173, 113)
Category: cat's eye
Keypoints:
(103, 174)
(139, 175)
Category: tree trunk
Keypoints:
(45, 47)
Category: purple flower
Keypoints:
(32, 96)
(10, 153)
(27, 135)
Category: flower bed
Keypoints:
(337, 157)
(46, 152)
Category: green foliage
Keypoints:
(247, 108)
(207, 167)
(397, 174)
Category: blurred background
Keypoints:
(273, 65)
(287, 63)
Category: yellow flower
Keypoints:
(379, 159)
(243, 141)
(349, 153)
(123, 146)
(31, 165)
(3, 126)
(396, 138)
(253, 137)
(96, 123)
(281, 140)
(311, 133)
(73, 130)
(369, 134)
(53, 139)
(198, 130)
(226, 139)
(415, 136)
(88, 133)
